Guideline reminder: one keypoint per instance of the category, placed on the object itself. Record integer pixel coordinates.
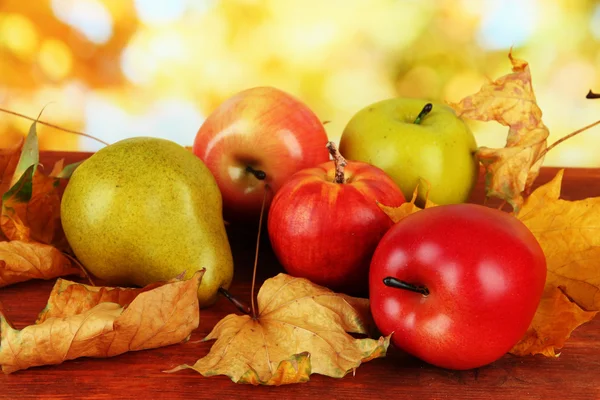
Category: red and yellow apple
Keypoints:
(326, 229)
(258, 137)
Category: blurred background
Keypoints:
(121, 68)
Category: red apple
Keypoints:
(259, 136)
(325, 230)
(457, 285)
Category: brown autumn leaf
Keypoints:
(70, 298)
(31, 204)
(569, 234)
(159, 317)
(555, 319)
(21, 261)
(9, 158)
(405, 209)
(37, 218)
(301, 329)
(509, 100)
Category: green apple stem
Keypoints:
(592, 95)
(243, 307)
(340, 163)
(398, 284)
(426, 110)
(53, 126)
(258, 173)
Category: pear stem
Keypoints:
(398, 284)
(426, 110)
(592, 95)
(237, 303)
(54, 126)
(260, 222)
(340, 163)
(258, 173)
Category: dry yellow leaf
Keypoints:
(405, 209)
(569, 234)
(509, 100)
(70, 298)
(21, 261)
(555, 319)
(159, 317)
(301, 329)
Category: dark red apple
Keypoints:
(259, 136)
(457, 285)
(325, 227)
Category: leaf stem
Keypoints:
(237, 303)
(53, 126)
(426, 110)
(340, 163)
(559, 141)
(81, 267)
(260, 222)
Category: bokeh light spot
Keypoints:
(19, 35)
(507, 23)
(160, 12)
(595, 22)
(55, 59)
(89, 17)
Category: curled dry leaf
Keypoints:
(555, 319)
(509, 100)
(158, 317)
(405, 209)
(70, 298)
(301, 329)
(569, 234)
(21, 261)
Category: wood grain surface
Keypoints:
(138, 375)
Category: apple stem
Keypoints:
(340, 163)
(592, 95)
(398, 284)
(426, 110)
(53, 126)
(258, 173)
(237, 303)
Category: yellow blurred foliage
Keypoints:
(119, 68)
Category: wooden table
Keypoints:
(574, 375)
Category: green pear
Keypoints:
(429, 147)
(144, 210)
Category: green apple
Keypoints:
(417, 143)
